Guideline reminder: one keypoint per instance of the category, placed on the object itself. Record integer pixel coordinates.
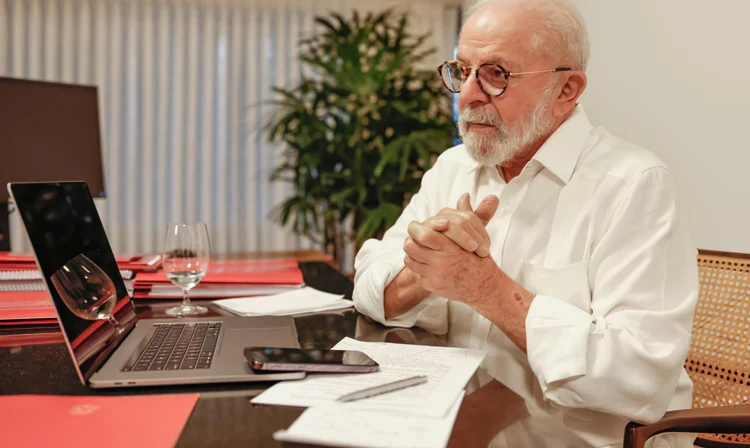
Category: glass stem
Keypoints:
(115, 325)
(185, 298)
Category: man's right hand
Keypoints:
(452, 230)
(464, 226)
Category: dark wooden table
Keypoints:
(37, 362)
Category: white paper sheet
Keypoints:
(448, 370)
(340, 427)
(303, 300)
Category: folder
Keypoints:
(48, 420)
(25, 307)
(274, 272)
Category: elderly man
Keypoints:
(548, 242)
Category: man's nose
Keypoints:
(471, 92)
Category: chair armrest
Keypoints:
(720, 420)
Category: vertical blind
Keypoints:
(184, 91)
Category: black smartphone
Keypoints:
(299, 360)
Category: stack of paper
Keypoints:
(26, 308)
(210, 291)
(364, 429)
(226, 279)
(23, 295)
(24, 299)
(299, 301)
(422, 415)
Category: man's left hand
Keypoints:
(457, 275)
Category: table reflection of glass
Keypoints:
(488, 407)
(492, 414)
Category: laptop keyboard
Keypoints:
(185, 346)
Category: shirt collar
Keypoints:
(560, 153)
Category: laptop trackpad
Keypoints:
(235, 340)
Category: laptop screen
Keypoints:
(78, 265)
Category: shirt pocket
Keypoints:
(569, 283)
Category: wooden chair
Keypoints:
(718, 361)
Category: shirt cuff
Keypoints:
(556, 340)
(369, 296)
(369, 290)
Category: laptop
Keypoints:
(63, 224)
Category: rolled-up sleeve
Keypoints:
(379, 261)
(624, 356)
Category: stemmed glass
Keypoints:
(86, 290)
(186, 256)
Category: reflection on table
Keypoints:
(492, 413)
(495, 409)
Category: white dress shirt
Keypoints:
(593, 228)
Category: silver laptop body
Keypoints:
(62, 223)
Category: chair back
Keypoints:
(719, 358)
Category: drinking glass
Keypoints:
(86, 290)
(186, 256)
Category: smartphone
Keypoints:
(299, 360)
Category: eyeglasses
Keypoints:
(492, 78)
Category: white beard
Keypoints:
(503, 145)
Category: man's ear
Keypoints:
(572, 89)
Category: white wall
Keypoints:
(674, 76)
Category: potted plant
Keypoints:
(359, 130)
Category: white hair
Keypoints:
(561, 26)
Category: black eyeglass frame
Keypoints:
(506, 73)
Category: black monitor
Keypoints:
(48, 132)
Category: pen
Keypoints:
(384, 388)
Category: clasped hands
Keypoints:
(450, 252)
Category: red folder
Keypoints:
(24, 307)
(209, 291)
(148, 262)
(14, 257)
(50, 336)
(272, 272)
(21, 306)
(151, 421)
(12, 261)
(25, 323)
(16, 261)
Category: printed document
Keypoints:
(448, 370)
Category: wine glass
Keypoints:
(86, 290)
(185, 262)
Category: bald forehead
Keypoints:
(499, 32)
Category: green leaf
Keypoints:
(405, 156)
(378, 219)
(326, 23)
(342, 195)
(356, 69)
(390, 153)
(344, 28)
